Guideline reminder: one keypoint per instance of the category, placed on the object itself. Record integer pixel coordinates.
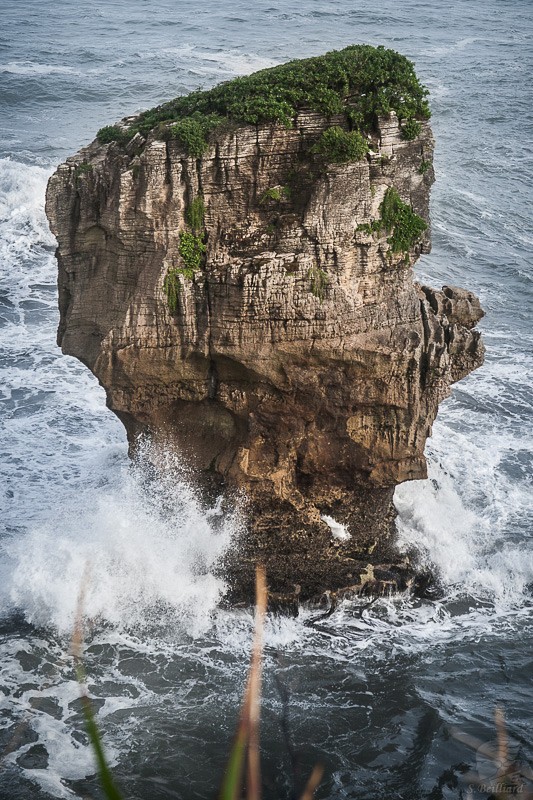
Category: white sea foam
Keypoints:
(23, 226)
(229, 62)
(55, 684)
(338, 531)
(461, 517)
(460, 44)
(33, 68)
(209, 64)
(149, 547)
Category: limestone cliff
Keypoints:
(298, 359)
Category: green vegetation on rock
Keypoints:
(172, 285)
(195, 213)
(82, 169)
(113, 133)
(191, 249)
(411, 129)
(319, 281)
(360, 82)
(370, 227)
(399, 220)
(339, 146)
(193, 132)
(276, 193)
(406, 227)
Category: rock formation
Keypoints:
(298, 363)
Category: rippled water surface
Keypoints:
(373, 693)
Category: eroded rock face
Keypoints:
(303, 364)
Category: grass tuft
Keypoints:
(106, 778)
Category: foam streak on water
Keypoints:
(372, 690)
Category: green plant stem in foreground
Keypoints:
(106, 778)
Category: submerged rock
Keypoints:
(35, 757)
(255, 306)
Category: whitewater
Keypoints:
(373, 693)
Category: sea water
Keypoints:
(375, 693)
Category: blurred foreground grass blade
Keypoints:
(106, 779)
(104, 773)
(254, 682)
(232, 781)
(511, 777)
(245, 750)
(502, 757)
(246, 742)
(312, 783)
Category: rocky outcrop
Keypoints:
(302, 366)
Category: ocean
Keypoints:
(383, 695)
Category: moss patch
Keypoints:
(80, 170)
(172, 285)
(370, 227)
(191, 249)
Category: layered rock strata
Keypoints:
(302, 364)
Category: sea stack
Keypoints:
(236, 268)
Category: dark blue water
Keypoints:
(373, 694)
